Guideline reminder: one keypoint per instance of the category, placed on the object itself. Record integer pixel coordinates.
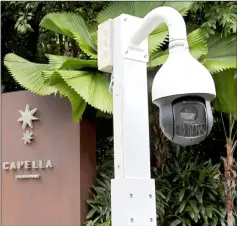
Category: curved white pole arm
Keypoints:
(164, 14)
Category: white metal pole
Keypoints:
(132, 190)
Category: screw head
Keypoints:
(126, 52)
(125, 19)
(105, 32)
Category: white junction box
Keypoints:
(133, 202)
(105, 46)
(125, 26)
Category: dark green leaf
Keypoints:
(194, 205)
(226, 88)
(176, 222)
(209, 212)
(182, 206)
(181, 194)
(201, 177)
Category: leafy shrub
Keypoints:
(188, 191)
(215, 16)
(99, 206)
(193, 191)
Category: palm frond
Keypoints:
(93, 31)
(63, 62)
(197, 43)
(74, 26)
(221, 53)
(157, 39)
(92, 87)
(28, 74)
(226, 89)
(77, 103)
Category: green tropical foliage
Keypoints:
(99, 213)
(34, 44)
(221, 61)
(226, 86)
(226, 103)
(91, 86)
(193, 190)
(189, 189)
(74, 76)
(74, 26)
(99, 206)
(219, 16)
(221, 53)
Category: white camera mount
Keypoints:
(123, 51)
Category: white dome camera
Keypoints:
(183, 89)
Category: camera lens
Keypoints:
(189, 113)
(189, 119)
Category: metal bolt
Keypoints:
(145, 56)
(125, 19)
(150, 196)
(131, 195)
(126, 52)
(118, 166)
(131, 219)
(151, 219)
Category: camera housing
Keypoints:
(183, 90)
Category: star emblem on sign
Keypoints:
(27, 137)
(27, 117)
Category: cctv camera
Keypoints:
(183, 89)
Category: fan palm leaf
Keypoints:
(74, 26)
(28, 74)
(226, 88)
(93, 31)
(92, 87)
(77, 103)
(221, 53)
(64, 62)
